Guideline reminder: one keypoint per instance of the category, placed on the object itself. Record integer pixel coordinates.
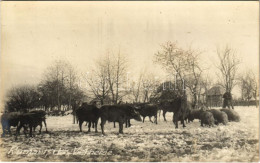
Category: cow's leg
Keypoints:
(164, 112)
(80, 125)
(176, 124)
(155, 117)
(143, 118)
(96, 125)
(31, 128)
(114, 124)
(3, 128)
(183, 124)
(9, 129)
(25, 130)
(201, 123)
(102, 125)
(121, 127)
(89, 125)
(3, 134)
(175, 120)
(129, 124)
(150, 119)
(40, 131)
(44, 121)
(18, 130)
(126, 123)
(93, 125)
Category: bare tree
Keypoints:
(72, 77)
(227, 66)
(97, 81)
(60, 85)
(183, 64)
(149, 85)
(205, 84)
(116, 66)
(136, 88)
(172, 59)
(57, 74)
(108, 78)
(248, 84)
(193, 79)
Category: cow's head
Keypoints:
(135, 114)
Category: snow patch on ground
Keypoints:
(237, 141)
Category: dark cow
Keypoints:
(117, 113)
(31, 119)
(219, 116)
(207, 118)
(182, 111)
(194, 114)
(148, 110)
(88, 113)
(41, 113)
(8, 120)
(168, 106)
(232, 115)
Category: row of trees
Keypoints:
(186, 65)
(58, 87)
(61, 85)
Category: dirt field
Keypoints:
(237, 141)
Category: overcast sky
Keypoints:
(34, 34)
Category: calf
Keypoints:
(88, 113)
(149, 110)
(117, 113)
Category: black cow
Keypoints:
(194, 114)
(219, 116)
(41, 113)
(88, 113)
(31, 119)
(8, 120)
(232, 115)
(117, 113)
(167, 106)
(148, 110)
(207, 118)
(182, 111)
(170, 106)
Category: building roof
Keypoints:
(216, 90)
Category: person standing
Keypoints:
(227, 100)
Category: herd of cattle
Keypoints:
(123, 113)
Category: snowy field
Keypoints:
(237, 141)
